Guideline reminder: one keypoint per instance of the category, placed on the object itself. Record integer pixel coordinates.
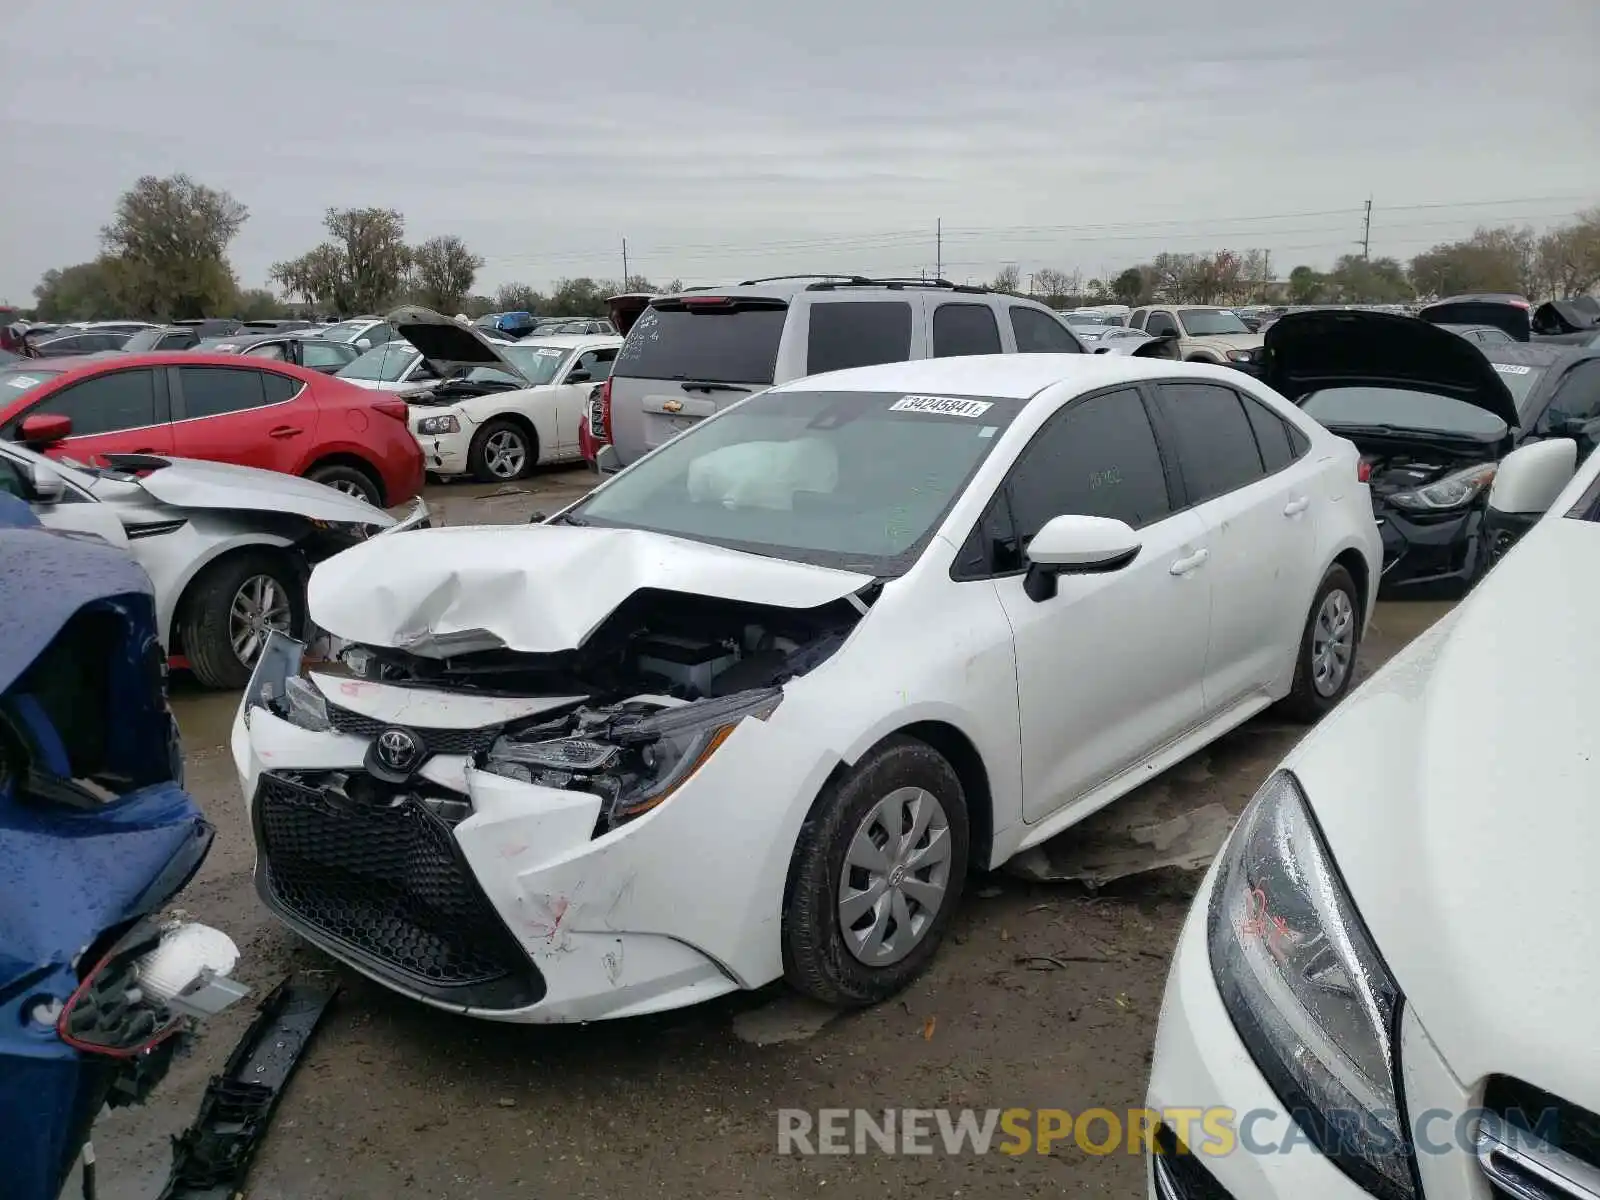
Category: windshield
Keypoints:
(1520, 380)
(1087, 319)
(15, 382)
(1401, 410)
(538, 364)
(345, 331)
(854, 480)
(387, 363)
(1211, 322)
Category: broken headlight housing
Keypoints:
(633, 760)
(1455, 490)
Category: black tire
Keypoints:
(205, 615)
(478, 452)
(352, 480)
(1306, 701)
(816, 959)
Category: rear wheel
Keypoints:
(229, 611)
(501, 451)
(352, 481)
(876, 876)
(1326, 665)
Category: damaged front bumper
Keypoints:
(495, 897)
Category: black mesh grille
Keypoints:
(438, 741)
(383, 880)
(1179, 1174)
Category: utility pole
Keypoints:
(625, 275)
(1366, 232)
(938, 247)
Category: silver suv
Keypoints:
(692, 354)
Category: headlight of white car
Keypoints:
(633, 761)
(1241, 355)
(1453, 491)
(1305, 987)
(434, 425)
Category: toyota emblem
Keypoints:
(398, 750)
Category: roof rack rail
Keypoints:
(896, 282)
(810, 275)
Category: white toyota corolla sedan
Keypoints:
(755, 706)
(1387, 984)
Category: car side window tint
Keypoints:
(1040, 333)
(1272, 435)
(1578, 394)
(105, 403)
(1160, 324)
(217, 391)
(12, 480)
(379, 334)
(1216, 446)
(857, 334)
(177, 341)
(964, 329)
(327, 354)
(1098, 458)
(601, 362)
(1136, 319)
(272, 350)
(279, 388)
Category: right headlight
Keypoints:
(1305, 987)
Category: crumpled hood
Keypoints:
(536, 589)
(1459, 791)
(194, 483)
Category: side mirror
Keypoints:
(1531, 477)
(579, 377)
(47, 484)
(46, 429)
(1077, 545)
(363, 343)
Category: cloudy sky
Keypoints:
(729, 139)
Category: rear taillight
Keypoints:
(1363, 471)
(605, 411)
(392, 408)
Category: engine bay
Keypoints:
(1407, 470)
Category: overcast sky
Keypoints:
(731, 139)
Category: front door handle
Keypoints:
(1297, 506)
(1186, 565)
(286, 431)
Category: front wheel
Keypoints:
(876, 876)
(1326, 664)
(501, 451)
(229, 611)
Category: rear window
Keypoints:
(857, 334)
(733, 344)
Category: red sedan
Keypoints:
(254, 412)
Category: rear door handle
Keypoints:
(1297, 506)
(285, 431)
(1186, 565)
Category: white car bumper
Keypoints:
(445, 453)
(677, 906)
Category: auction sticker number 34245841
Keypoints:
(948, 406)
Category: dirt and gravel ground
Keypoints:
(394, 1100)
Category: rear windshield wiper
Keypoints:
(714, 387)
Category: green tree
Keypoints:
(1357, 280)
(442, 273)
(1306, 285)
(166, 248)
(1130, 287)
(83, 292)
(581, 297)
(259, 304)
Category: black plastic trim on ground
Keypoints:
(212, 1157)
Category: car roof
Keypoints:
(1006, 376)
(789, 286)
(154, 358)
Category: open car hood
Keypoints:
(1307, 352)
(448, 345)
(536, 589)
(1480, 310)
(1578, 315)
(192, 483)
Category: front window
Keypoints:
(1520, 380)
(13, 383)
(539, 365)
(1211, 322)
(1400, 409)
(853, 480)
(387, 363)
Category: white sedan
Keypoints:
(754, 707)
(500, 408)
(1387, 981)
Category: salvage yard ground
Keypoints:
(1046, 995)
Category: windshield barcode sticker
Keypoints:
(1512, 368)
(22, 381)
(948, 406)
(549, 352)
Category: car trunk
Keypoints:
(1513, 318)
(687, 358)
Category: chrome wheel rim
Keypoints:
(896, 876)
(505, 453)
(1333, 643)
(350, 487)
(260, 606)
